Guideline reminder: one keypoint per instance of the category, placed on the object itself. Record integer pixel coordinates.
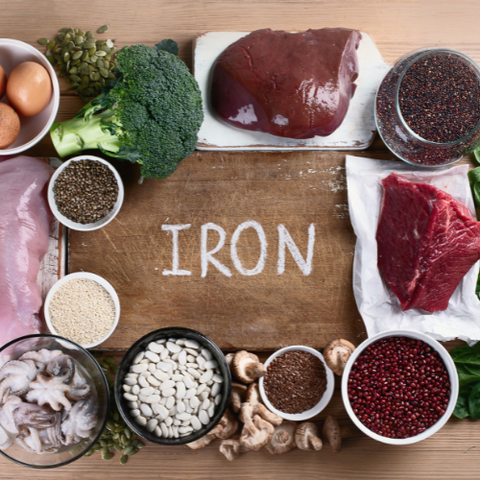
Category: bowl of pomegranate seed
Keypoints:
(400, 387)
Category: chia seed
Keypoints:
(295, 381)
(85, 191)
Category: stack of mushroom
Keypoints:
(248, 425)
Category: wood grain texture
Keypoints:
(261, 312)
(397, 27)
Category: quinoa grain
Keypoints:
(82, 310)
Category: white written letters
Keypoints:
(285, 241)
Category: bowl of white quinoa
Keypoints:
(82, 307)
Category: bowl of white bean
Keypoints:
(173, 386)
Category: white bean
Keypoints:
(146, 410)
(151, 424)
(141, 420)
(173, 347)
(141, 367)
(135, 413)
(192, 344)
(211, 364)
(153, 381)
(164, 430)
(181, 390)
(155, 347)
(143, 382)
(182, 357)
(130, 381)
(167, 384)
(206, 377)
(130, 397)
(215, 389)
(206, 353)
(168, 392)
(195, 422)
(170, 402)
(158, 431)
(162, 376)
(203, 417)
(153, 357)
(138, 358)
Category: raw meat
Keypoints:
(24, 227)
(427, 241)
(294, 85)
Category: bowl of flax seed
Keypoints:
(298, 384)
(82, 307)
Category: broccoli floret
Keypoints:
(150, 115)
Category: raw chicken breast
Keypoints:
(294, 85)
(25, 219)
(427, 242)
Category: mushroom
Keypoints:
(207, 439)
(337, 353)
(253, 394)
(333, 434)
(238, 391)
(246, 367)
(232, 448)
(256, 433)
(229, 360)
(249, 410)
(307, 437)
(283, 439)
(229, 425)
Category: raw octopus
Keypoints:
(45, 402)
(25, 219)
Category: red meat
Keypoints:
(427, 242)
(294, 85)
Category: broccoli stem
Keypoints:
(74, 136)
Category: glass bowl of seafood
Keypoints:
(54, 400)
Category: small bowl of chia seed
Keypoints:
(85, 193)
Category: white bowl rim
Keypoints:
(55, 94)
(89, 227)
(320, 406)
(449, 365)
(88, 276)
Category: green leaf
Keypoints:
(461, 408)
(476, 152)
(466, 375)
(167, 45)
(474, 402)
(466, 354)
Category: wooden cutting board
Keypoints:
(262, 311)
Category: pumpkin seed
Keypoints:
(85, 56)
(133, 452)
(75, 78)
(101, 43)
(107, 456)
(140, 444)
(73, 71)
(123, 439)
(77, 55)
(79, 40)
(117, 447)
(100, 63)
(128, 433)
(93, 59)
(109, 43)
(85, 81)
(124, 459)
(75, 62)
(105, 450)
(66, 57)
(104, 72)
(103, 29)
(97, 447)
(88, 453)
(43, 41)
(101, 53)
(89, 34)
(96, 76)
(128, 450)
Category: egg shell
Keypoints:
(3, 81)
(9, 125)
(29, 88)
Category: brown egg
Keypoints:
(3, 81)
(29, 88)
(9, 125)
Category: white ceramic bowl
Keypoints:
(300, 417)
(449, 365)
(89, 226)
(88, 276)
(32, 129)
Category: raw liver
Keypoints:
(294, 85)
(427, 242)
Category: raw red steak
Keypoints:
(427, 241)
(294, 85)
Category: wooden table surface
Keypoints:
(397, 27)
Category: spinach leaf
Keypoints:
(466, 375)
(474, 402)
(170, 46)
(461, 408)
(466, 354)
